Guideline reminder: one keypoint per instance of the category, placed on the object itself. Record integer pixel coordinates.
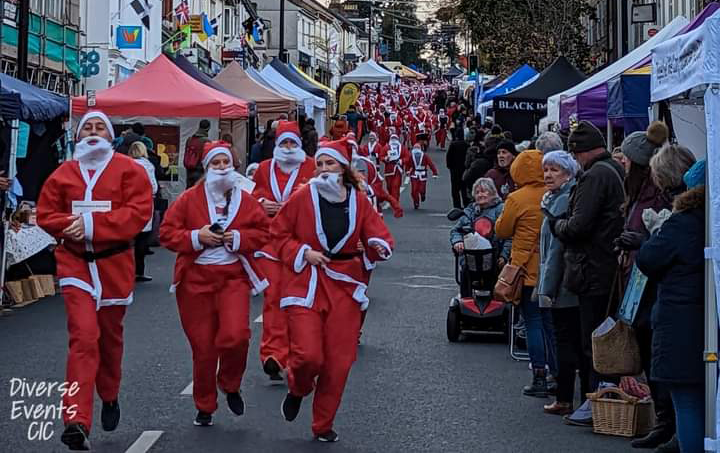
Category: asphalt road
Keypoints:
(409, 391)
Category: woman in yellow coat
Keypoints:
(521, 221)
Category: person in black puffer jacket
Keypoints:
(455, 161)
(674, 257)
(478, 166)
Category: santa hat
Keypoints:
(337, 149)
(212, 149)
(287, 130)
(96, 114)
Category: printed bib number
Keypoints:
(82, 207)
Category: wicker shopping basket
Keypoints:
(616, 413)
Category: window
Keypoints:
(36, 6)
(227, 23)
(55, 9)
(213, 9)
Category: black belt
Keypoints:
(107, 253)
(342, 256)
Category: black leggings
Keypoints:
(141, 246)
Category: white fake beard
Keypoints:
(328, 186)
(288, 159)
(92, 156)
(218, 182)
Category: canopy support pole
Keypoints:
(609, 135)
(12, 170)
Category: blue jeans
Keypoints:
(689, 402)
(540, 334)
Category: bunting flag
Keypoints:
(142, 9)
(182, 13)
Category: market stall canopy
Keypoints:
(328, 91)
(368, 72)
(620, 66)
(628, 100)
(192, 70)
(278, 81)
(520, 110)
(162, 89)
(295, 78)
(453, 72)
(515, 80)
(36, 104)
(236, 80)
(404, 71)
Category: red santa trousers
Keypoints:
(95, 355)
(440, 136)
(275, 342)
(418, 189)
(214, 307)
(394, 182)
(323, 345)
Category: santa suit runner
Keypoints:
(324, 303)
(394, 158)
(418, 175)
(115, 202)
(213, 286)
(272, 183)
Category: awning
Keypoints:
(330, 92)
(36, 104)
(515, 80)
(236, 80)
(369, 72)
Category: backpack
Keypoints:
(193, 152)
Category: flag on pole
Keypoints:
(142, 9)
(208, 28)
(182, 13)
(479, 91)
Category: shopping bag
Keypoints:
(15, 291)
(615, 349)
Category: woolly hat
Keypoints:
(562, 159)
(509, 146)
(695, 176)
(586, 137)
(638, 148)
(212, 149)
(287, 130)
(96, 114)
(337, 149)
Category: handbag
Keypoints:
(508, 287)
(615, 349)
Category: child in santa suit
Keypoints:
(418, 169)
(275, 181)
(95, 205)
(215, 228)
(318, 231)
(394, 157)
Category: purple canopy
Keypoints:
(591, 105)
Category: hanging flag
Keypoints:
(187, 33)
(215, 23)
(258, 31)
(142, 9)
(182, 13)
(207, 26)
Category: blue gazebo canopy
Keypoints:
(36, 104)
(515, 80)
(628, 101)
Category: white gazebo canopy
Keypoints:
(369, 72)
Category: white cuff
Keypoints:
(195, 238)
(300, 262)
(382, 243)
(88, 226)
(235, 243)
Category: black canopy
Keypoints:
(297, 79)
(520, 110)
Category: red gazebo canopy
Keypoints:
(162, 89)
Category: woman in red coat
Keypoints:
(317, 232)
(215, 228)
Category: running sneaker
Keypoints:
(273, 369)
(330, 436)
(110, 416)
(203, 419)
(75, 437)
(291, 406)
(236, 403)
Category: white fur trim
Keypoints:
(214, 152)
(300, 262)
(332, 152)
(288, 135)
(306, 301)
(261, 254)
(195, 238)
(88, 226)
(95, 114)
(381, 242)
(235, 243)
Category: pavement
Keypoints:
(409, 391)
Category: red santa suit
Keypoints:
(394, 156)
(213, 284)
(371, 149)
(113, 196)
(324, 303)
(275, 180)
(441, 128)
(418, 169)
(374, 186)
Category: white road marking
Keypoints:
(188, 390)
(259, 319)
(437, 214)
(441, 287)
(432, 276)
(144, 442)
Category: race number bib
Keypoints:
(81, 207)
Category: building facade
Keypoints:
(54, 43)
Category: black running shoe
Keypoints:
(75, 437)
(273, 369)
(330, 436)
(236, 403)
(203, 419)
(291, 406)
(110, 416)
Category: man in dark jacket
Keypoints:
(455, 160)
(353, 117)
(309, 137)
(594, 221)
